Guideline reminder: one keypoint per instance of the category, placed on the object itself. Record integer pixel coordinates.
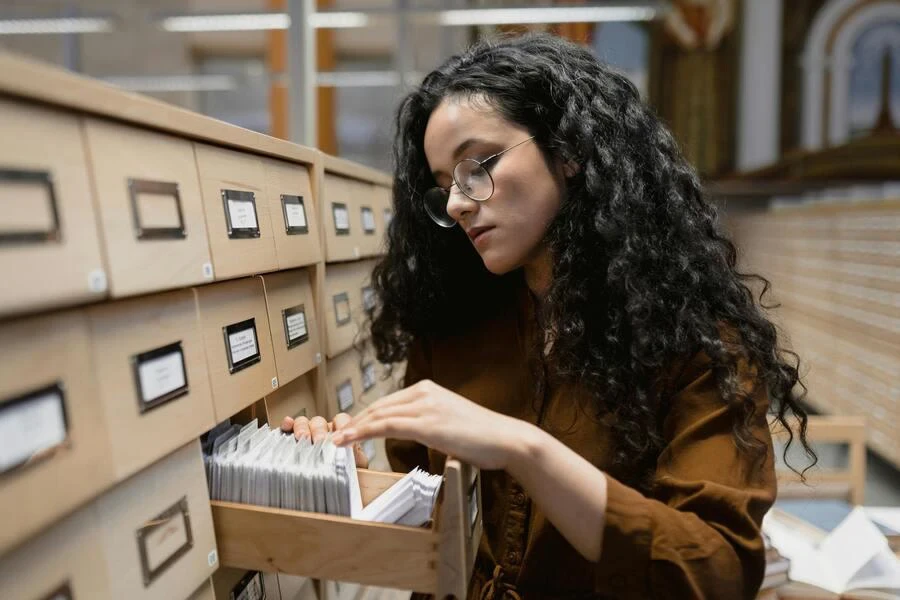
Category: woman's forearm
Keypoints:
(569, 490)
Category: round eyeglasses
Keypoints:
(472, 178)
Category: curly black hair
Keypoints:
(642, 275)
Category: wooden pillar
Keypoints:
(279, 101)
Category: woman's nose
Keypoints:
(460, 206)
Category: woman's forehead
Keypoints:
(456, 120)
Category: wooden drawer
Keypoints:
(346, 287)
(296, 399)
(371, 223)
(239, 354)
(49, 247)
(293, 323)
(55, 450)
(384, 213)
(345, 383)
(237, 212)
(66, 561)
(294, 214)
(152, 377)
(157, 529)
(344, 236)
(151, 214)
(434, 560)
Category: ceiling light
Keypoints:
(55, 26)
(174, 83)
(561, 14)
(260, 21)
(364, 78)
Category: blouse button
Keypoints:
(519, 499)
(513, 557)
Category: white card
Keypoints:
(368, 219)
(341, 218)
(296, 214)
(345, 396)
(165, 540)
(31, 426)
(296, 326)
(161, 375)
(242, 344)
(242, 214)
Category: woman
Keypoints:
(575, 326)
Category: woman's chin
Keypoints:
(498, 265)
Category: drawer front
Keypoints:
(294, 214)
(237, 212)
(341, 220)
(157, 529)
(353, 381)
(151, 213)
(239, 355)
(55, 450)
(293, 323)
(49, 247)
(384, 213)
(347, 291)
(296, 399)
(370, 223)
(152, 375)
(66, 562)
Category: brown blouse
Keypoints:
(697, 536)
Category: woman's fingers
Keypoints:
(340, 421)
(397, 422)
(287, 425)
(362, 461)
(301, 428)
(318, 426)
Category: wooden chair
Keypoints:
(846, 483)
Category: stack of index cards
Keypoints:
(255, 464)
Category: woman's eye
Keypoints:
(490, 163)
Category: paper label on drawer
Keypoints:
(368, 220)
(242, 213)
(368, 298)
(243, 344)
(296, 214)
(345, 396)
(341, 217)
(341, 308)
(368, 376)
(251, 587)
(296, 326)
(31, 424)
(161, 375)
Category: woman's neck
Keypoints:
(538, 273)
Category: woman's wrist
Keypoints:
(524, 447)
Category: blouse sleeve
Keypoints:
(698, 535)
(405, 455)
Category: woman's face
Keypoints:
(508, 229)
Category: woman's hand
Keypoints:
(442, 420)
(317, 428)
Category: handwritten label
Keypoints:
(243, 345)
(296, 326)
(296, 214)
(242, 214)
(165, 540)
(345, 396)
(161, 375)
(368, 376)
(30, 425)
(368, 298)
(368, 220)
(341, 218)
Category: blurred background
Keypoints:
(789, 109)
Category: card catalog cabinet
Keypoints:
(50, 253)
(237, 212)
(239, 354)
(151, 213)
(54, 454)
(293, 323)
(152, 376)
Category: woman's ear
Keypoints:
(571, 168)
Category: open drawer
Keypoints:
(433, 560)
